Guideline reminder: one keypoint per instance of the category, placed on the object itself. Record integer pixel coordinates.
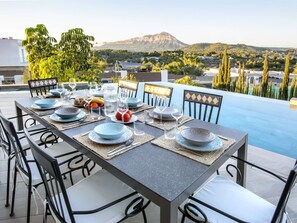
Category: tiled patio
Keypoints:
(261, 184)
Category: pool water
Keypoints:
(270, 123)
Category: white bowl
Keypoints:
(197, 136)
(110, 130)
(67, 112)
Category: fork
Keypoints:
(182, 149)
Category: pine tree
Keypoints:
(247, 86)
(240, 82)
(224, 72)
(214, 81)
(228, 80)
(292, 88)
(270, 90)
(233, 85)
(285, 82)
(264, 83)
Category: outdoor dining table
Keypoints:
(164, 177)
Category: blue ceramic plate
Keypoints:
(56, 118)
(216, 144)
(56, 92)
(133, 102)
(36, 107)
(67, 112)
(110, 130)
(133, 119)
(93, 136)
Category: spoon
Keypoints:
(75, 123)
(127, 143)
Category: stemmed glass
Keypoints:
(93, 88)
(122, 107)
(161, 105)
(178, 113)
(123, 94)
(72, 83)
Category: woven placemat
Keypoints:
(165, 124)
(69, 125)
(203, 157)
(142, 108)
(102, 150)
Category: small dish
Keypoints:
(128, 134)
(56, 92)
(46, 102)
(133, 102)
(134, 118)
(197, 136)
(110, 130)
(67, 112)
(56, 118)
(166, 112)
(216, 144)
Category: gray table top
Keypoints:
(155, 172)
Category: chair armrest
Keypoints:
(258, 167)
(105, 206)
(216, 210)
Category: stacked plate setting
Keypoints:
(199, 139)
(134, 102)
(46, 104)
(67, 114)
(110, 133)
(163, 113)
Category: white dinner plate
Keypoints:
(156, 116)
(93, 136)
(36, 107)
(216, 144)
(56, 118)
(133, 119)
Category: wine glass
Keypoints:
(72, 83)
(122, 107)
(123, 94)
(178, 112)
(161, 105)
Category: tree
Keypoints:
(75, 49)
(224, 75)
(264, 82)
(292, 88)
(240, 82)
(187, 80)
(295, 69)
(285, 83)
(247, 86)
(39, 45)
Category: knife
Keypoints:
(114, 152)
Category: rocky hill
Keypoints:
(148, 43)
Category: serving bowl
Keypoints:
(110, 130)
(46, 102)
(67, 112)
(197, 136)
(133, 102)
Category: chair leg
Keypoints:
(13, 191)
(45, 212)
(144, 216)
(71, 179)
(183, 219)
(29, 202)
(8, 182)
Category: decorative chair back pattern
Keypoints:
(282, 203)
(42, 86)
(56, 195)
(207, 106)
(130, 86)
(152, 91)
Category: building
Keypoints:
(12, 60)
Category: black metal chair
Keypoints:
(98, 198)
(152, 93)
(130, 86)
(69, 160)
(40, 87)
(202, 106)
(222, 200)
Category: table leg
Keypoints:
(19, 118)
(242, 154)
(169, 214)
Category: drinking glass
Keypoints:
(122, 107)
(138, 127)
(95, 113)
(110, 108)
(72, 83)
(123, 94)
(179, 112)
(169, 133)
(161, 105)
(93, 87)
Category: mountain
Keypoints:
(232, 48)
(148, 43)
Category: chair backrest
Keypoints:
(14, 142)
(282, 203)
(4, 141)
(42, 86)
(152, 91)
(130, 86)
(202, 106)
(49, 170)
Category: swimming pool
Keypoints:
(270, 124)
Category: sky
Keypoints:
(266, 23)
